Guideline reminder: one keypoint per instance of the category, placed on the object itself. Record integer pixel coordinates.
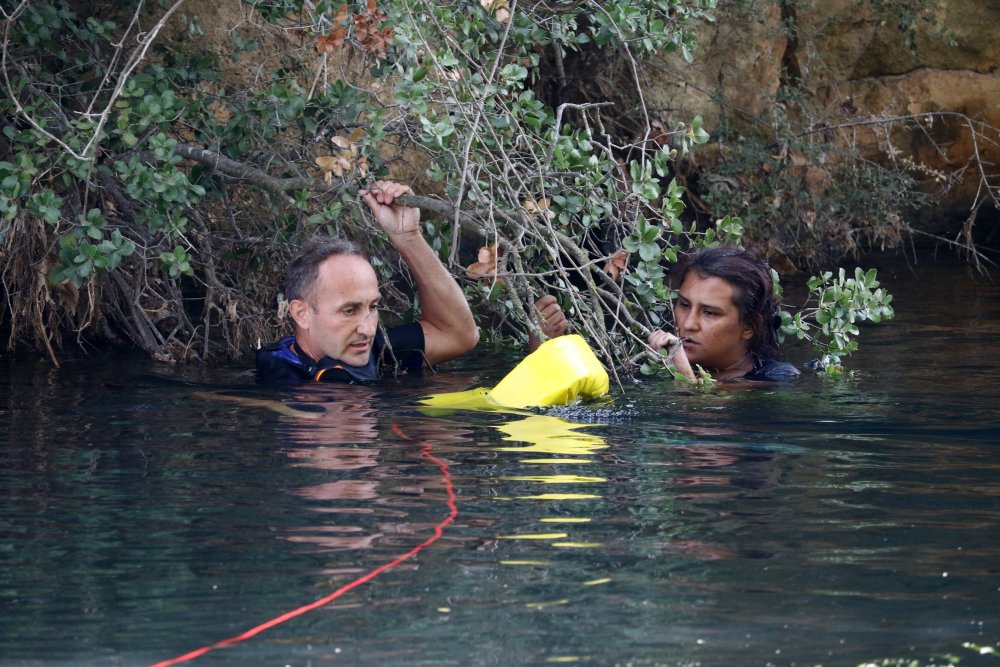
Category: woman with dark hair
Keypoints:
(726, 316)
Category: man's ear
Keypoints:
(300, 312)
(748, 331)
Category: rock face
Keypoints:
(856, 60)
(935, 63)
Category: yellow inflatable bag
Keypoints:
(557, 373)
(473, 399)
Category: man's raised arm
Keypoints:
(449, 328)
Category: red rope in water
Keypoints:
(425, 450)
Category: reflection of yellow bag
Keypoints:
(550, 435)
(558, 372)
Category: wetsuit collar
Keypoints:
(334, 370)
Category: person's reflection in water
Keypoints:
(710, 468)
(370, 498)
(713, 461)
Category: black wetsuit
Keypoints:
(283, 362)
(771, 370)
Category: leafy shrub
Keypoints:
(175, 194)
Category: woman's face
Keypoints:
(707, 316)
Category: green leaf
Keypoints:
(697, 134)
(649, 252)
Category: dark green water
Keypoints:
(830, 523)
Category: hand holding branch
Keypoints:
(392, 217)
(664, 340)
(550, 319)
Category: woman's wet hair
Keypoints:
(303, 270)
(753, 292)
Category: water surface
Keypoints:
(832, 522)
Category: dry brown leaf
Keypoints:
(486, 267)
(493, 5)
(69, 295)
(343, 166)
(349, 158)
(617, 265)
(329, 42)
(658, 133)
(499, 8)
(366, 31)
(164, 356)
(538, 208)
(326, 162)
(336, 164)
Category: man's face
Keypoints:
(339, 317)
